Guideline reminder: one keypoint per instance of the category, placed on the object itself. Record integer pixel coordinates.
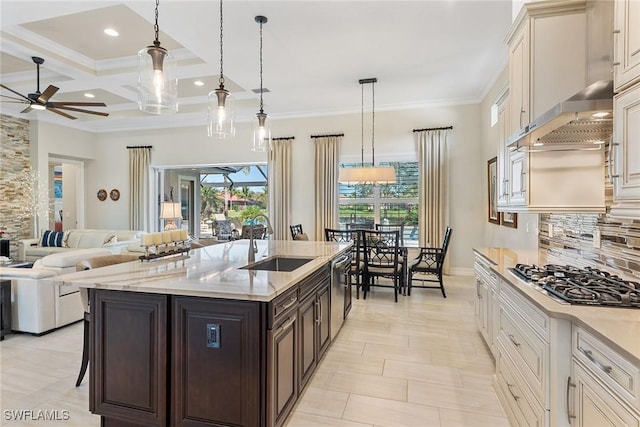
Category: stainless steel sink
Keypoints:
(278, 263)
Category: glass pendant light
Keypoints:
(261, 131)
(157, 79)
(221, 104)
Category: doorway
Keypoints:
(187, 205)
(66, 194)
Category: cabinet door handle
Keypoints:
(522, 111)
(522, 184)
(288, 304)
(612, 160)
(287, 324)
(569, 385)
(616, 31)
(513, 340)
(515, 396)
(589, 355)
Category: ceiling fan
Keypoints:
(40, 100)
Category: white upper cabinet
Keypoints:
(626, 30)
(625, 164)
(626, 151)
(547, 58)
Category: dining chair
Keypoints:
(357, 252)
(382, 256)
(428, 264)
(297, 233)
(392, 227)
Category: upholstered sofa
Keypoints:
(38, 304)
(47, 244)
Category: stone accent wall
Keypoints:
(14, 159)
(573, 242)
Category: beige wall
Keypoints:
(526, 235)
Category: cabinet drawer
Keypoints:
(528, 352)
(484, 272)
(525, 410)
(607, 365)
(282, 305)
(534, 318)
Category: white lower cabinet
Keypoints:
(594, 405)
(486, 303)
(603, 389)
(550, 371)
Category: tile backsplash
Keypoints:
(596, 240)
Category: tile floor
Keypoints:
(420, 362)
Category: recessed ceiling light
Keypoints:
(89, 95)
(198, 83)
(111, 32)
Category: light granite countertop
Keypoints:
(619, 327)
(211, 271)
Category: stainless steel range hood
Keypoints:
(582, 122)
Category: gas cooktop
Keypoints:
(588, 285)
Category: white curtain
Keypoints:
(280, 187)
(433, 186)
(327, 157)
(139, 159)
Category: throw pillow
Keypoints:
(301, 236)
(52, 239)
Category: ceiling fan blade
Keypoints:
(15, 102)
(26, 110)
(48, 93)
(63, 114)
(84, 104)
(13, 97)
(17, 93)
(79, 110)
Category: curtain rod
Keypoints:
(327, 136)
(129, 147)
(441, 128)
(283, 138)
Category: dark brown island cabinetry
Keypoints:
(170, 360)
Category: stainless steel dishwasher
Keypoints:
(339, 285)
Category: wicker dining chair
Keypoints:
(429, 265)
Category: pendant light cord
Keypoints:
(361, 125)
(221, 78)
(373, 124)
(261, 103)
(156, 28)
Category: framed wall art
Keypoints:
(492, 181)
(510, 219)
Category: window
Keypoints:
(366, 205)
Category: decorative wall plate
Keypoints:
(102, 195)
(115, 194)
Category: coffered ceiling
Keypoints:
(422, 52)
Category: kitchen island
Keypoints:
(202, 340)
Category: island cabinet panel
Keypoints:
(282, 378)
(315, 329)
(215, 362)
(129, 358)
